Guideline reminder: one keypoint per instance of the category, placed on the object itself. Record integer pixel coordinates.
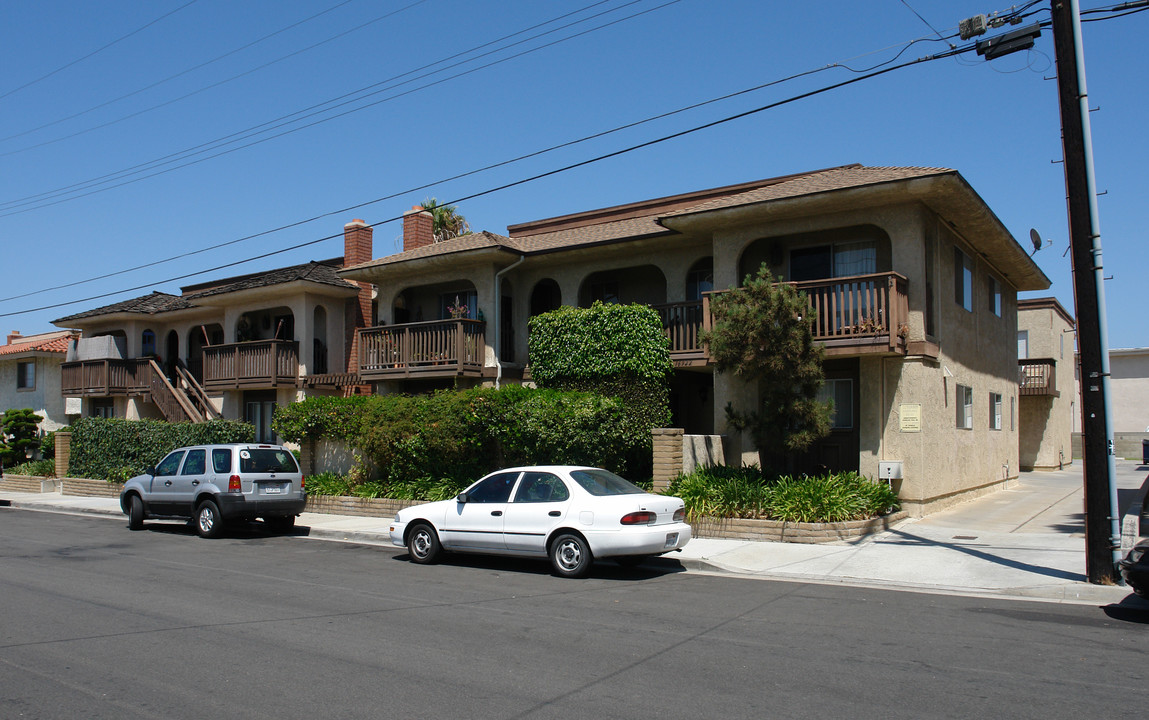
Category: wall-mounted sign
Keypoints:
(910, 415)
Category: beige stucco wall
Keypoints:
(1129, 389)
(1046, 421)
(45, 398)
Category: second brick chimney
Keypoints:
(357, 250)
(418, 228)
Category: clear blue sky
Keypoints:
(92, 90)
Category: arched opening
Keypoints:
(147, 343)
(821, 255)
(700, 279)
(643, 284)
(545, 296)
(267, 324)
(172, 354)
(199, 337)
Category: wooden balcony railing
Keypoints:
(1037, 377)
(851, 315)
(440, 348)
(260, 364)
(107, 377)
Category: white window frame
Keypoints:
(964, 403)
(26, 381)
(995, 411)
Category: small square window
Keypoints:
(995, 411)
(964, 403)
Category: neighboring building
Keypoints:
(1045, 358)
(912, 280)
(1128, 402)
(232, 348)
(30, 375)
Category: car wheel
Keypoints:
(570, 555)
(208, 521)
(281, 523)
(423, 544)
(135, 513)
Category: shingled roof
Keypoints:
(322, 272)
(156, 302)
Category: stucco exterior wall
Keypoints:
(45, 398)
(1129, 388)
(1046, 421)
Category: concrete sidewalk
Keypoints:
(1024, 542)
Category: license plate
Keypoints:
(273, 489)
(671, 540)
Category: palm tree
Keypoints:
(446, 222)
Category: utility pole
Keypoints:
(1102, 529)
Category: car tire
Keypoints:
(423, 544)
(570, 556)
(135, 513)
(208, 521)
(280, 523)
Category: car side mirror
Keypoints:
(150, 471)
(461, 497)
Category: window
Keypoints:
(541, 487)
(463, 304)
(841, 392)
(147, 343)
(495, 489)
(1022, 344)
(221, 460)
(267, 461)
(700, 280)
(604, 482)
(963, 280)
(995, 411)
(604, 292)
(964, 407)
(103, 408)
(170, 465)
(26, 376)
(196, 463)
(837, 260)
(994, 296)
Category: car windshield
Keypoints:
(276, 460)
(604, 482)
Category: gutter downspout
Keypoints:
(498, 324)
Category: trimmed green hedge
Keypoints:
(428, 445)
(115, 450)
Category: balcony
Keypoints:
(259, 364)
(106, 378)
(851, 316)
(1037, 377)
(435, 349)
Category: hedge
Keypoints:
(452, 438)
(114, 450)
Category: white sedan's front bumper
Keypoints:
(397, 530)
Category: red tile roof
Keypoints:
(56, 342)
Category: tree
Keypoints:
(446, 222)
(761, 333)
(19, 431)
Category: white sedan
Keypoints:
(567, 513)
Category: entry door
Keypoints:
(838, 451)
(258, 411)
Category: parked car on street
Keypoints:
(218, 484)
(1135, 568)
(572, 515)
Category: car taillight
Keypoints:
(679, 514)
(642, 517)
(302, 482)
(233, 484)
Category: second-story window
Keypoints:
(148, 343)
(459, 305)
(605, 292)
(26, 376)
(963, 280)
(699, 280)
(994, 288)
(964, 403)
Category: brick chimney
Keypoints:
(418, 228)
(357, 250)
(14, 335)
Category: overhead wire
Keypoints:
(522, 181)
(73, 191)
(97, 51)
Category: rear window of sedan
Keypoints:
(604, 482)
(256, 460)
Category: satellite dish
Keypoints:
(1035, 238)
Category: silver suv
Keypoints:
(215, 484)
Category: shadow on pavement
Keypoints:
(1132, 609)
(601, 570)
(996, 559)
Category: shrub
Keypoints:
(19, 435)
(36, 468)
(114, 450)
(746, 492)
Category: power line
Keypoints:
(503, 163)
(533, 178)
(96, 51)
(144, 170)
(173, 77)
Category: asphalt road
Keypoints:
(100, 622)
